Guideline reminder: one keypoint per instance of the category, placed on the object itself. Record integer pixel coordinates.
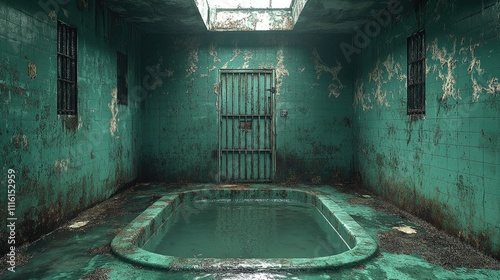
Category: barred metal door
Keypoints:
(246, 127)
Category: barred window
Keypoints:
(122, 71)
(416, 74)
(67, 87)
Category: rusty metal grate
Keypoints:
(67, 88)
(246, 127)
(416, 74)
(121, 75)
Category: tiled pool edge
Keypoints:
(127, 244)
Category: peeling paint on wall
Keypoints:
(32, 70)
(247, 56)
(376, 77)
(20, 141)
(448, 64)
(53, 16)
(336, 86)
(281, 70)
(360, 98)
(193, 57)
(236, 53)
(388, 68)
(113, 107)
(394, 69)
(213, 52)
(61, 166)
(492, 86)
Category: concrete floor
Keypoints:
(84, 253)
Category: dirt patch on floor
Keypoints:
(100, 250)
(433, 245)
(98, 274)
(99, 214)
(437, 248)
(22, 258)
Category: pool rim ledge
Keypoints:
(125, 243)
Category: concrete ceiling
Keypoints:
(182, 16)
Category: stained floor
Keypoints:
(84, 252)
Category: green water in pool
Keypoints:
(246, 229)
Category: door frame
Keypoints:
(272, 93)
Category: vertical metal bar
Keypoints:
(252, 165)
(265, 124)
(258, 125)
(232, 126)
(219, 124)
(273, 131)
(227, 123)
(244, 131)
(239, 131)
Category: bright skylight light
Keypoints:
(250, 4)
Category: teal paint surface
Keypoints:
(445, 166)
(313, 142)
(63, 165)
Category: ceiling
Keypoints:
(183, 16)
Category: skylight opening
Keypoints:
(250, 15)
(250, 4)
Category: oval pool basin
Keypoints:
(251, 228)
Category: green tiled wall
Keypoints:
(63, 165)
(314, 142)
(444, 166)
